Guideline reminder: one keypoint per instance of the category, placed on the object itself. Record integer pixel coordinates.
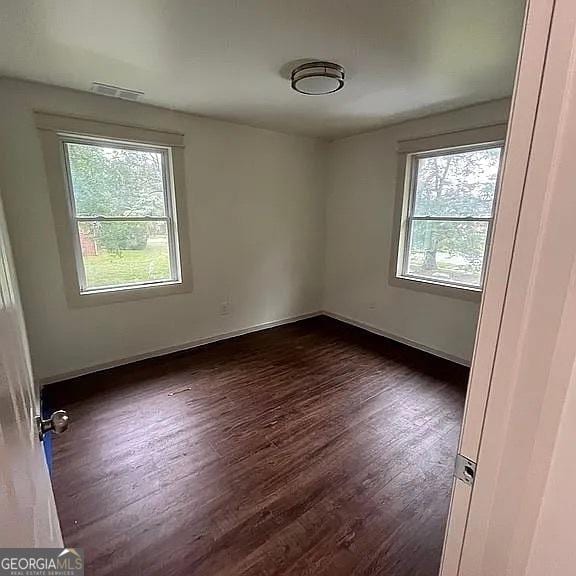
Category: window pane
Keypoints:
(460, 185)
(124, 253)
(115, 181)
(447, 251)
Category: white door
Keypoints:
(525, 348)
(27, 512)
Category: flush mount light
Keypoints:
(317, 78)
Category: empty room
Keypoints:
(245, 251)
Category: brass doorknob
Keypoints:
(57, 423)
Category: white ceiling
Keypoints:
(228, 58)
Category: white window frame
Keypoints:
(169, 205)
(410, 152)
(56, 131)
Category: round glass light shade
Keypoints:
(317, 78)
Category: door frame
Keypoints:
(491, 525)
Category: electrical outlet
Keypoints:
(225, 308)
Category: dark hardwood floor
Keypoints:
(314, 448)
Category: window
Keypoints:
(449, 208)
(119, 206)
(121, 203)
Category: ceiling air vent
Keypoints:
(116, 91)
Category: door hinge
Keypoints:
(465, 469)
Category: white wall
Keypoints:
(256, 230)
(359, 224)
(267, 232)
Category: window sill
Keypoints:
(447, 290)
(126, 293)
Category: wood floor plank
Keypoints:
(313, 448)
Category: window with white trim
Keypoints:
(448, 214)
(122, 207)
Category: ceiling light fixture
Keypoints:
(316, 78)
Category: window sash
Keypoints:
(406, 253)
(169, 210)
(417, 156)
(413, 161)
(121, 218)
(453, 218)
(165, 155)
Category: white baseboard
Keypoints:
(406, 341)
(241, 332)
(172, 349)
